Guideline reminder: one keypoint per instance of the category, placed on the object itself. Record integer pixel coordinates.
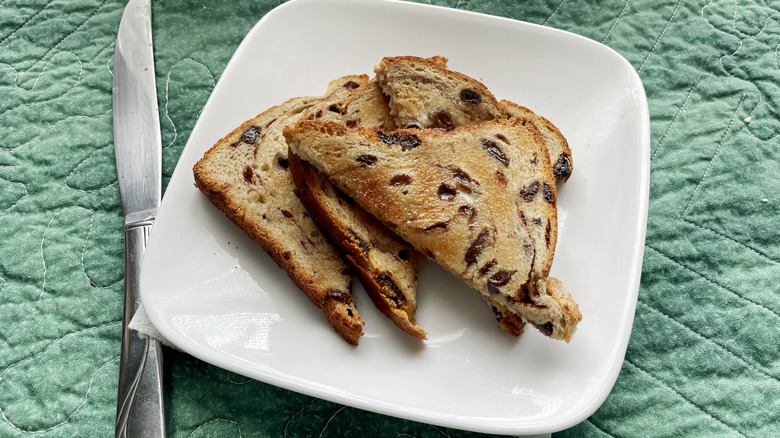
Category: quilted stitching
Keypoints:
(704, 357)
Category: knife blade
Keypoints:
(138, 150)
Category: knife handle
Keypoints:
(140, 408)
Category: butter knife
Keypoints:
(138, 149)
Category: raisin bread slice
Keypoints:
(425, 94)
(387, 267)
(560, 153)
(246, 176)
(422, 93)
(459, 197)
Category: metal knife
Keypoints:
(138, 149)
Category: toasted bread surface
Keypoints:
(467, 198)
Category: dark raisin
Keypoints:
(340, 296)
(470, 212)
(408, 141)
(500, 278)
(546, 328)
(400, 180)
(361, 243)
(352, 123)
(562, 169)
(287, 214)
(349, 312)
(501, 178)
(460, 175)
(476, 247)
(388, 139)
(442, 225)
(446, 192)
(522, 294)
(470, 95)
(250, 135)
(248, 174)
(528, 193)
(366, 159)
(403, 255)
(537, 221)
(412, 126)
(395, 294)
(282, 162)
(529, 248)
(442, 119)
(351, 84)
(548, 194)
(488, 266)
(492, 148)
(547, 232)
(334, 107)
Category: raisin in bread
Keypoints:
(459, 197)
(246, 176)
(387, 267)
(560, 153)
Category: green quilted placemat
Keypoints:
(704, 356)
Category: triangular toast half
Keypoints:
(246, 175)
(462, 197)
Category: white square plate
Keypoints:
(215, 294)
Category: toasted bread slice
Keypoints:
(460, 198)
(423, 93)
(246, 176)
(387, 266)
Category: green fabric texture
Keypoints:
(704, 355)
